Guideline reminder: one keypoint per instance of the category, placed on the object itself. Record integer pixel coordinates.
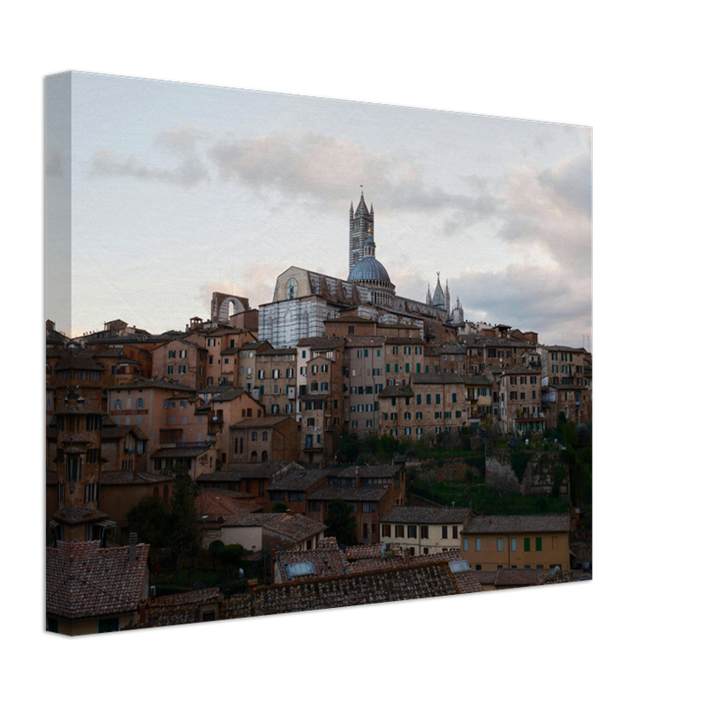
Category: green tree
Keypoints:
(150, 520)
(185, 533)
(341, 522)
(280, 507)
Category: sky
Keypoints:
(179, 190)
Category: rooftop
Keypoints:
(549, 523)
(84, 580)
(427, 516)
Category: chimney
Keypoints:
(132, 548)
(326, 567)
(357, 477)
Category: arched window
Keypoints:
(254, 436)
(264, 456)
(253, 456)
(265, 436)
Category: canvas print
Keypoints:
(307, 353)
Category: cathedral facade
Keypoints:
(304, 299)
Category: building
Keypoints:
(224, 408)
(566, 384)
(93, 589)
(292, 489)
(424, 531)
(249, 478)
(517, 542)
(304, 299)
(269, 531)
(431, 403)
(517, 399)
(172, 418)
(368, 502)
(271, 438)
(78, 462)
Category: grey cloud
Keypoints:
(556, 306)
(572, 180)
(180, 141)
(188, 172)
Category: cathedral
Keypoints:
(304, 299)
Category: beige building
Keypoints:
(277, 381)
(517, 399)
(181, 361)
(364, 369)
(522, 542)
(229, 406)
(271, 438)
(165, 412)
(424, 531)
(431, 404)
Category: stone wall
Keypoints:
(538, 476)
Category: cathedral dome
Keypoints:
(369, 268)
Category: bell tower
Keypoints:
(362, 224)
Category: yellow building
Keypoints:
(424, 531)
(522, 542)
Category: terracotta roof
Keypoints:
(141, 383)
(181, 452)
(367, 492)
(278, 352)
(405, 341)
(198, 596)
(327, 560)
(321, 342)
(119, 431)
(226, 394)
(370, 472)
(117, 478)
(396, 391)
(427, 516)
(294, 526)
(368, 588)
(213, 505)
(365, 552)
(269, 421)
(353, 341)
(429, 378)
(72, 515)
(298, 480)
(84, 580)
(239, 471)
(550, 523)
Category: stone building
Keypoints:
(424, 531)
(268, 438)
(79, 462)
(304, 299)
(432, 403)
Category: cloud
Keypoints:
(181, 141)
(310, 165)
(189, 172)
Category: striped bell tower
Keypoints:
(362, 223)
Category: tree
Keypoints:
(280, 507)
(341, 523)
(185, 533)
(150, 520)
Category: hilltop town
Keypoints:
(338, 445)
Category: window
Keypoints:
(455, 532)
(526, 544)
(499, 544)
(444, 532)
(538, 544)
(412, 531)
(466, 544)
(107, 625)
(424, 532)
(399, 531)
(478, 544)
(513, 544)
(386, 531)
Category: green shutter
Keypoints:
(417, 368)
(538, 544)
(387, 368)
(526, 544)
